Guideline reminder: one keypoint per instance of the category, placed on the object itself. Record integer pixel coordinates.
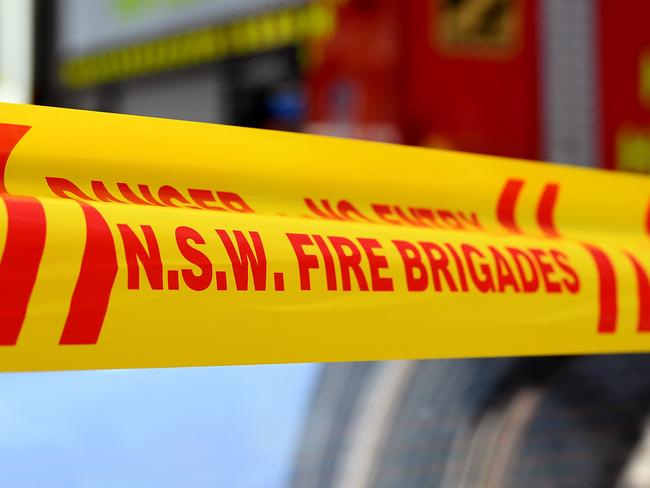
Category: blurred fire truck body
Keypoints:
(554, 80)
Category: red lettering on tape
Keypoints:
(149, 256)
(245, 259)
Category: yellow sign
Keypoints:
(135, 242)
(644, 78)
(633, 149)
(479, 23)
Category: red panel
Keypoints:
(384, 65)
(478, 99)
(353, 76)
(624, 37)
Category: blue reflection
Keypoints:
(200, 427)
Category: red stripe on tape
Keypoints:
(507, 203)
(24, 245)
(20, 261)
(10, 134)
(93, 289)
(608, 307)
(546, 209)
(644, 294)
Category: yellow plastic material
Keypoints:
(132, 242)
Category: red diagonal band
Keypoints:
(546, 209)
(644, 294)
(507, 203)
(23, 248)
(607, 303)
(19, 264)
(96, 277)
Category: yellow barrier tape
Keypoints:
(137, 242)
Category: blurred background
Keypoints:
(555, 80)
